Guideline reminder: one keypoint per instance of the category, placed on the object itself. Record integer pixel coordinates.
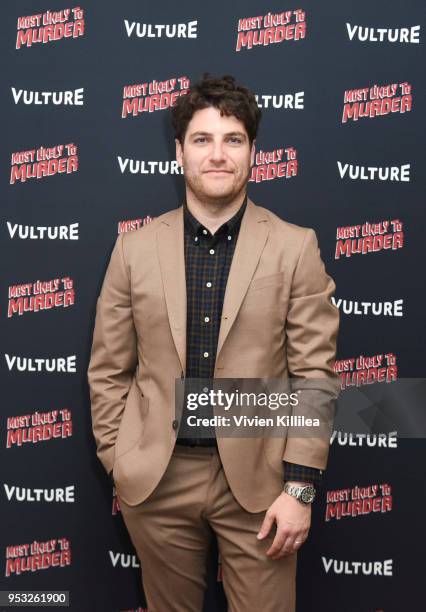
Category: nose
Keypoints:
(217, 153)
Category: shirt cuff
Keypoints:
(302, 473)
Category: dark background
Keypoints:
(98, 196)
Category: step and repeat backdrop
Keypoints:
(87, 151)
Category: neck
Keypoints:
(213, 214)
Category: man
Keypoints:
(217, 288)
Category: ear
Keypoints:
(179, 152)
(252, 153)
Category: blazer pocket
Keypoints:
(132, 422)
(267, 281)
(144, 406)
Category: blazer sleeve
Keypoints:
(311, 335)
(113, 357)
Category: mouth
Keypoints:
(218, 172)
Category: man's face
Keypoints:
(216, 156)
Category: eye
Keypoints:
(200, 138)
(235, 139)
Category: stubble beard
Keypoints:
(220, 199)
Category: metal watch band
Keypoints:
(305, 493)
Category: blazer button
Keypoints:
(175, 424)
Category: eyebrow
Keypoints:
(234, 133)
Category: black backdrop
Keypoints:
(90, 553)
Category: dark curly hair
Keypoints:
(222, 93)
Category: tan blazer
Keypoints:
(277, 321)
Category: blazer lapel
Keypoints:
(252, 238)
(171, 253)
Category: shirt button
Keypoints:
(229, 237)
(196, 238)
(205, 354)
(175, 424)
(211, 251)
(208, 284)
(206, 319)
(204, 231)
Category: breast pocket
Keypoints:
(271, 280)
(262, 303)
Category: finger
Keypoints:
(298, 543)
(302, 537)
(277, 544)
(291, 545)
(266, 526)
(287, 550)
(282, 553)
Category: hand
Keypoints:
(293, 519)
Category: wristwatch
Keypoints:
(305, 494)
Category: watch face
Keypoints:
(308, 494)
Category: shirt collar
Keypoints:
(230, 227)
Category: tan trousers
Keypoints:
(172, 531)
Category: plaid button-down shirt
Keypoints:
(208, 259)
